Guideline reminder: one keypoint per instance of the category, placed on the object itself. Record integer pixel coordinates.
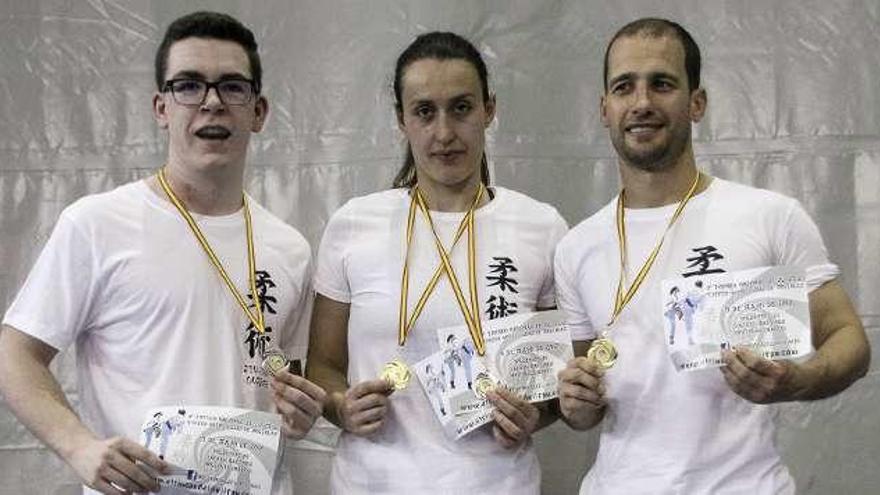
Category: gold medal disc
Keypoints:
(274, 362)
(482, 384)
(603, 351)
(397, 373)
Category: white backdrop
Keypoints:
(793, 106)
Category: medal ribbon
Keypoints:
(471, 314)
(622, 298)
(256, 316)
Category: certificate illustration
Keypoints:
(214, 450)
(765, 309)
(523, 354)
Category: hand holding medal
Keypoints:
(582, 392)
(362, 409)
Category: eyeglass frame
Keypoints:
(168, 87)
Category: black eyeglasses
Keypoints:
(194, 91)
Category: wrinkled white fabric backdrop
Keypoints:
(793, 106)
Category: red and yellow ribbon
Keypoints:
(256, 316)
(623, 297)
(470, 312)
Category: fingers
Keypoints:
(503, 438)
(752, 377)
(581, 393)
(140, 453)
(297, 422)
(581, 380)
(589, 366)
(299, 383)
(366, 422)
(515, 418)
(123, 482)
(299, 401)
(365, 407)
(295, 392)
(370, 387)
(583, 370)
(118, 471)
(517, 410)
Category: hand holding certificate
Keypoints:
(524, 352)
(215, 449)
(762, 309)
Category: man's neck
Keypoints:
(214, 193)
(451, 199)
(651, 189)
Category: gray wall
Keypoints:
(793, 106)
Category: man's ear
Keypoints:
(261, 112)
(603, 116)
(160, 110)
(699, 100)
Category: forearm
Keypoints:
(842, 350)
(35, 397)
(333, 381)
(841, 360)
(549, 413)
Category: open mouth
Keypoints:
(213, 132)
(640, 128)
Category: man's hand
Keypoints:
(111, 466)
(515, 418)
(581, 393)
(363, 408)
(756, 379)
(299, 401)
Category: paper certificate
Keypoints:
(765, 309)
(524, 352)
(215, 450)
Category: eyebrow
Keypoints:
(194, 74)
(462, 96)
(651, 76)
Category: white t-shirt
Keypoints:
(360, 263)
(669, 432)
(123, 279)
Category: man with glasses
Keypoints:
(176, 290)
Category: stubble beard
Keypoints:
(658, 158)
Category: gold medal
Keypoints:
(397, 373)
(482, 384)
(603, 352)
(274, 362)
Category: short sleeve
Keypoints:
(54, 303)
(800, 244)
(568, 296)
(547, 296)
(296, 338)
(330, 278)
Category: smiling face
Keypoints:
(648, 107)
(212, 134)
(444, 118)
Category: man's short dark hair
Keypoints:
(657, 28)
(212, 25)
